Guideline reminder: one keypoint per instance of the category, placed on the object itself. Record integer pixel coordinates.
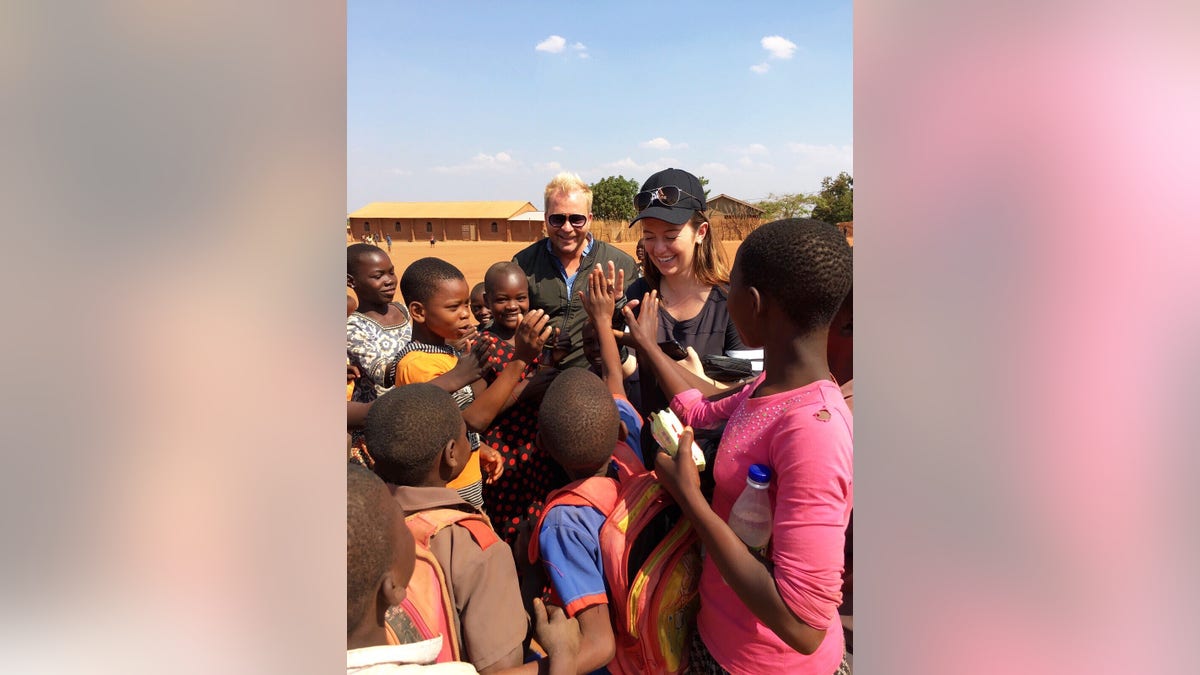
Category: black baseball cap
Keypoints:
(681, 211)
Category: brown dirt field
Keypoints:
(474, 257)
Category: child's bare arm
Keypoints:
(560, 636)
(597, 646)
(490, 400)
(748, 576)
(643, 333)
(470, 367)
(600, 302)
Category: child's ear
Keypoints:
(757, 302)
(417, 311)
(448, 457)
(391, 592)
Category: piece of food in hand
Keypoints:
(666, 429)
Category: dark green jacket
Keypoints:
(548, 290)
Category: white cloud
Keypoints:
(761, 68)
(547, 167)
(499, 162)
(713, 167)
(756, 149)
(557, 148)
(580, 50)
(553, 44)
(748, 163)
(401, 172)
(661, 143)
(840, 155)
(632, 169)
(779, 47)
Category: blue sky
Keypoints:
(487, 101)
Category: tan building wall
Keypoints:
(446, 229)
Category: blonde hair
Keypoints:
(709, 263)
(565, 183)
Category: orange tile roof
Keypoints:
(481, 210)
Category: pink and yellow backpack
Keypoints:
(651, 559)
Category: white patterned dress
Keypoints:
(374, 348)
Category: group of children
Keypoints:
(468, 429)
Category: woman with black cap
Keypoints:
(685, 262)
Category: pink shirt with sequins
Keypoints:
(806, 436)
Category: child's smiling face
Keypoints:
(508, 301)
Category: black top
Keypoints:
(709, 332)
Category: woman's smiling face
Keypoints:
(669, 247)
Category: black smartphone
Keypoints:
(618, 322)
(673, 349)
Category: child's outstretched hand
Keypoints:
(464, 343)
(557, 634)
(600, 299)
(474, 363)
(643, 330)
(491, 462)
(678, 474)
(531, 335)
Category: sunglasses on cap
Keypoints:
(667, 195)
(559, 219)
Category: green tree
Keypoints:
(612, 198)
(776, 207)
(835, 201)
(704, 184)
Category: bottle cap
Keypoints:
(760, 473)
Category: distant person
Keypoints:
(640, 254)
(558, 266)
(388, 237)
(685, 263)
(479, 308)
(432, 241)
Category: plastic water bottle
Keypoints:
(750, 516)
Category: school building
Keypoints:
(453, 221)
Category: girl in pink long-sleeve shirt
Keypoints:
(780, 614)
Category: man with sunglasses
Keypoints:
(558, 266)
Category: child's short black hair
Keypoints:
(578, 421)
(805, 265)
(407, 428)
(499, 271)
(369, 546)
(355, 252)
(422, 277)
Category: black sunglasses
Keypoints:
(667, 195)
(560, 219)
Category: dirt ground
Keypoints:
(474, 257)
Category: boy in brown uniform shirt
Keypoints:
(418, 439)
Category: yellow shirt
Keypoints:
(418, 366)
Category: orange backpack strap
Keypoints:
(429, 603)
(627, 462)
(598, 492)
